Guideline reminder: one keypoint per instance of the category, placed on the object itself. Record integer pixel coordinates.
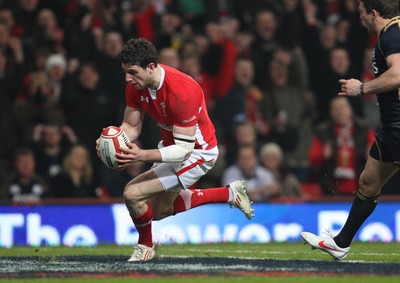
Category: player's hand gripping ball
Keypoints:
(111, 140)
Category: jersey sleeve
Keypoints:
(186, 105)
(390, 41)
(131, 97)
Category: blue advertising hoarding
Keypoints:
(94, 224)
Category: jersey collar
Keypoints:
(395, 20)
(152, 92)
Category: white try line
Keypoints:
(284, 253)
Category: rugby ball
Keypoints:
(111, 140)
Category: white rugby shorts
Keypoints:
(178, 176)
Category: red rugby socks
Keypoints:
(143, 226)
(191, 198)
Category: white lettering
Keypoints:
(332, 220)
(254, 233)
(79, 235)
(125, 231)
(397, 225)
(284, 232)
(230, 232)
(376, 231)
(36, 233)
(194, 234)
(7, 223)
(212, 234)
(170, 234)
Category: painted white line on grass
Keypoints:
(283, 253)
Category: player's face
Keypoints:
(366, 19)
(137, 76)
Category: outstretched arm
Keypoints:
(389, 80)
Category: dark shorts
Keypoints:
(386, 147)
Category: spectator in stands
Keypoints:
(244, 134)
(11, 73)
(291, 20)
(40, 100)
(48, 33)
(169, 56)
(328, 87)
(77, 177)
(272, 158)
(11, 45)
(57, 74)
(171, 33)
(39, 60)
(111, 74)
(286, 111)
(354, 37)
(88, 107)
(260, 181)
(317, 45)
(242, 102)
(127, 26)
(7, 17)
(51, 142)
(24, 185)
(265, 44)
(26, 12)
(339, 149)
(83, 31)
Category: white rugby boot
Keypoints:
(240, 198)
(143, 253)
(326, 244)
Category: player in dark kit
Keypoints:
(380, 17)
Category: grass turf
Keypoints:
(366, 252)
(240, 279)
(374, 252)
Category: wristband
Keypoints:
(362, 89)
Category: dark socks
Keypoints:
(360, 210)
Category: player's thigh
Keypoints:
(143, 187)
(162, 204)
(375, 175)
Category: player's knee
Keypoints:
(131, 194)
(367, 187)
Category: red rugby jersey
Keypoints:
(179, 101)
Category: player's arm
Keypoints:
(184, 144)
(131, 125)
(132, 122)
(184, 138)
(389, 80)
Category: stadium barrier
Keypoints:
(85, 222)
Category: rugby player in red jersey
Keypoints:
(188, 149)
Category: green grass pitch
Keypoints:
(365, 252)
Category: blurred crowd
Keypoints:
(269, 70)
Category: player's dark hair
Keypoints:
(138, 51)
(386, 8)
